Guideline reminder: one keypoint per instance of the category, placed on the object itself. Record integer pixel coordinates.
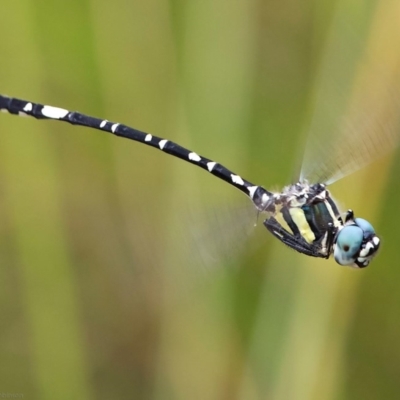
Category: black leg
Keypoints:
(295, 242)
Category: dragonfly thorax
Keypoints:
(306, 218)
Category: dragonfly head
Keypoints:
(356, 243)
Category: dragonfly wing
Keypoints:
(357, 121)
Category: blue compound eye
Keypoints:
(365, 226)
(348, 244)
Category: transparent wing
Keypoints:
(219, 235)
(357, 115)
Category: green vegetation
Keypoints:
(105, 293)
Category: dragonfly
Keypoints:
(303, 216)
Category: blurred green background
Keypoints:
(104, 293)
